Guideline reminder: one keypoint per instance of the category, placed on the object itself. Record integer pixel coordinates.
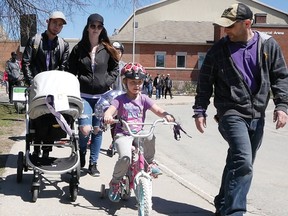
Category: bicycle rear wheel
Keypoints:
(144, 196)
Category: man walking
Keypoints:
(168, 84)
(46, 52)
(13, 69)
(241, 69)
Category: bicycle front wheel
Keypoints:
(144, 196)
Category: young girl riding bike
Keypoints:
(131, 106)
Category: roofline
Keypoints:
(266, 5)
(170, 43)
(139, 9)
(160, 2)
(265, 25)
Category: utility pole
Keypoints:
(134, 32)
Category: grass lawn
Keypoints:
(12, 125)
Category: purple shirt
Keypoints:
(245, 58)
(131, 111)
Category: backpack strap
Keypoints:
(61, 45)
(36, 43)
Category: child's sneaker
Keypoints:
(114, 194)
(155, 170)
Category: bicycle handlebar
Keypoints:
(152, 126)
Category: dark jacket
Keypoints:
(34, 60)
(158, 82)
(232, 96)
(168, 82)
(104, 75)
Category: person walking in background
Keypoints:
(13, 70)
(118, 85)
(241, 68)
(95, 62)
(157, 85)
(162, 81)
(148, 85)
(168, 86)
(46, 52)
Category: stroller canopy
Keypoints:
(54, 83)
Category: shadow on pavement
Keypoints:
(167, 207)
(51, 188)
(18, 138)
(10, 187)
(4, 157)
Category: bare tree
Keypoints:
(12, 11)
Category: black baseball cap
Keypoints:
(95, 17)
(233, 14)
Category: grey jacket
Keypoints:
(232, 96)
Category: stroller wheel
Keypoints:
(20, 167)
(78, 172)
(73, 190)
(35, 193)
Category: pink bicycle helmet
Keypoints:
(133, 71)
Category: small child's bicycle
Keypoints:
(139, 175)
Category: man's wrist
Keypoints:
(199, 113)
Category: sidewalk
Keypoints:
(170, 197)
(54, 193)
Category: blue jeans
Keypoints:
(158, 92)
(150, 90)
(86, 118)
(244, 137)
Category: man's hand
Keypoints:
(280, 118)
(200, 124)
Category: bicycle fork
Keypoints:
(140, 171)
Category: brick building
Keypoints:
(173, 36)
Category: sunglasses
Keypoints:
(93, 26)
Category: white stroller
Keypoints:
(53, 105)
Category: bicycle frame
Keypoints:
(140, 179)
(137, 167)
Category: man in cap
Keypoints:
(46, 52)
(241, 68)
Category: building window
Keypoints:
(160, 59)
(181, 59)
(201, 57)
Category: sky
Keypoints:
(114, 18)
